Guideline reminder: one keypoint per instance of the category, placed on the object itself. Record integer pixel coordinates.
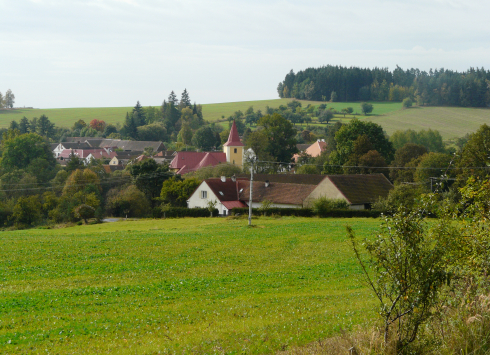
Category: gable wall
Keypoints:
(196, 201)
(327, 189)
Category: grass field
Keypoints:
(180, 286)
(65, 117)
(451, 122)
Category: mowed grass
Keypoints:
(451, 122)
(180, 286)
(66, 117)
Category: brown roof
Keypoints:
(302, 147)
(303, 179)
(282, 193)
(361, 189)
(228, 190)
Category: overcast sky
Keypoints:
(96, 53)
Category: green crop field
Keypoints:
(451, 122)
(65, 117)
(180, 286)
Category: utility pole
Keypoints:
(251, 157)
(250, 199)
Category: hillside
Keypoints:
(180, 286)
(451, 122)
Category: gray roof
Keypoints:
(127, 145)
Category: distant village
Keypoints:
(228, 192)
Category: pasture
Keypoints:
(65, 117)
(451, 122)
(205, 285)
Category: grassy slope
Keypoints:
(181, 285)
(65, 117)
(451, 122)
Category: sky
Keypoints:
(112, 53)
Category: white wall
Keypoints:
(196, 201)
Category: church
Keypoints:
(233, 149)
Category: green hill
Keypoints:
(451, 122)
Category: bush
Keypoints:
(179, 212)
(323, 205)
(407, 102)
(308, 212)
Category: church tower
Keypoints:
(233, 148)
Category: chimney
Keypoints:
(233, 178)
(267, 183)
(223, 179)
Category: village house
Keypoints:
(87, 154)
(291, 190)
(313, 150)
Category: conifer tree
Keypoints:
(185, 100)
(172, 98)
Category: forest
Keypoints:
(437, 87)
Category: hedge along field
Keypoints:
(199, 285)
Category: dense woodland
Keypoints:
(436, 87)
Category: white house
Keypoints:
(290, 190)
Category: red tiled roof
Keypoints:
(233, 138)
(190, 161)
(233, 204)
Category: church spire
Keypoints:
(233, 138)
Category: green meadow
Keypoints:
(65, 117)
(206, 285)
(451, 122)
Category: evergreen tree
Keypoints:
(172, 98)
(130, 128)
(24, 126)
(185, 100)
(44, 127)
(139, 115)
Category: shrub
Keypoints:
(323, 205)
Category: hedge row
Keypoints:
(174, 212)
(308, 212)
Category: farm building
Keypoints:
(291, 190)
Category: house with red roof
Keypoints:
(185, 162)
(87, 154)
(290, 190)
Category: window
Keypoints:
(235, 150)
(204, 194)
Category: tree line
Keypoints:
(470, 88)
